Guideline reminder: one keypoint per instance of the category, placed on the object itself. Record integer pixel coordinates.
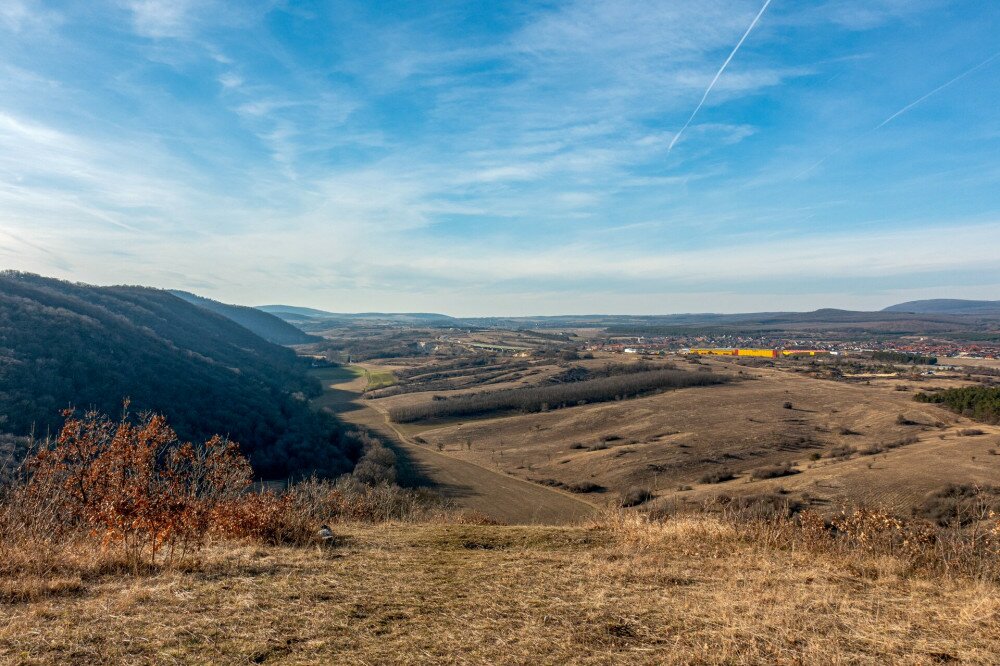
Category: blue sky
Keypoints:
(509, 157)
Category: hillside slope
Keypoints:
(268, 326)
(64, 344)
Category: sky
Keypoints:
(506, 158)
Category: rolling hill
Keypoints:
(266, 325)
(313, 316)
(64, 344)
(955, 306)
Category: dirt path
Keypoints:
(471, 486)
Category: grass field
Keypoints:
(379, 379)
(842, 442)
(693, 590)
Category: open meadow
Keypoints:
(828, 434)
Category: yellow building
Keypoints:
(760, 353)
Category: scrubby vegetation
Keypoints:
(68, 344)
(773, 471)
(717, 476)
(902, 357)
(981, 403)
(129, 491)
(361, 343)
(635, 497)
(960, 504)
(535, 399)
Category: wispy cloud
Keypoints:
(474, 156)
(161, 18)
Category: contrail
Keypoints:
(938, 89)
(718, 74)
(899, 113)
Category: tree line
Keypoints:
(981, 403)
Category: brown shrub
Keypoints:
(635, 497)
(131, 483)
(717, 476)
(773, 471)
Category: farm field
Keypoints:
(467, 485)
(775, 429)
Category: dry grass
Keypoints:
(680, 437)
(624, 590)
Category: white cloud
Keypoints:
(162, 18)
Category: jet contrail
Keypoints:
(718, 74)
(938, 89)
(899, 113)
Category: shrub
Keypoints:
(586, 487)
(717, 476)
(960, 504)
(970, 432)
(635, 497)
(133, 483)
(841, 451)
(787, 405)
(773, 472)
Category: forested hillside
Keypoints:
(266, 325)
(64, 344)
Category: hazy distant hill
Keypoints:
(948, 306)
(286, 311)
(266, 325)
(70, 344)
(827, 317)
(313, 316)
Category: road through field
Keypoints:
(470, 486)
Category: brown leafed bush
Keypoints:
(127, 494)
(131, 483)
(265, 517)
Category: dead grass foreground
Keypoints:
(693, 589)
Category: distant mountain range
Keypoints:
(931, 316)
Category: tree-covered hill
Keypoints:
(271, 328)
(64, 344)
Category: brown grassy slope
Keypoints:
(691, 590)
(675, 438)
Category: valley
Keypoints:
(827, 433)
